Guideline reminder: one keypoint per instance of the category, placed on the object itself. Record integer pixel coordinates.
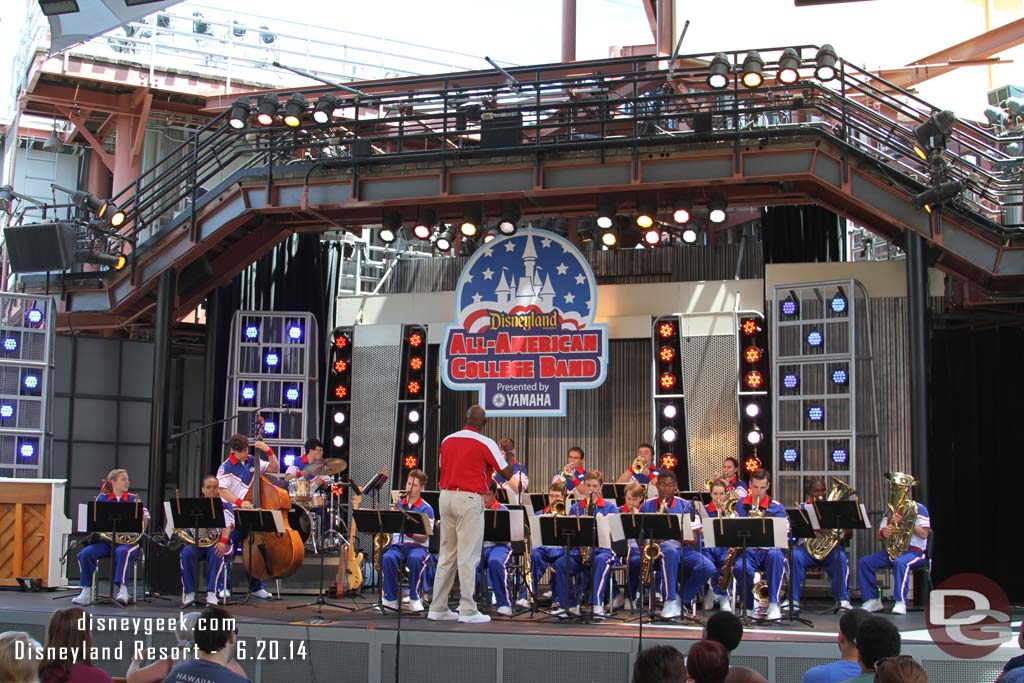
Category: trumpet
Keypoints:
(638, 466)
(558, 508)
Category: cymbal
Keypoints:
(329, 466)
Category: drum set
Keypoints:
(316, 505)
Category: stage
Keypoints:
(359, 647)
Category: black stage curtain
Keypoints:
(977, 428)
(801, 234)
(300, 274)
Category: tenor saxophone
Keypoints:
(587, 550)
(729, 510)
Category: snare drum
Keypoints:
(317, 500)
(300, 489)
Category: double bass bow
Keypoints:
(270, 555)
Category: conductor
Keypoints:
(467, 460)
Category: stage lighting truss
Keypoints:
(753, 391)
(338, 403)
(668, 393)
(413, 394)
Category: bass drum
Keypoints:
(299, 519)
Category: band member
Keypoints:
(836, 564)
(544, 556)
(520, 480)
(494, 560)
(914, 556)
(649, 473)
(410, 549)
(634, 499)
(114, 490)
(235, 476)
(771, 562)
(600, 558)
(731, 474)
(695, 567)
(314, 453)
(574, 471)
(216, 579)
(719, 495)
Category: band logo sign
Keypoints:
(525, 331)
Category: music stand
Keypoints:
(257, 521)
(847, 515)
(656, 526)
(498, 525)
(800, 526)
(537, 502)
(113, 518)
(195, 514)
(703, 497)
(400, 522)
(616, 492)
(742, 533)
(563, 531)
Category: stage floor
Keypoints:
(359, 645)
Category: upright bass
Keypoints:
(270, 555)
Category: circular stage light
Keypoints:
(839, 376)
(6, 411)
(839, 456)
(668, 461)
(754, 437)
(749, 326)
(31, 381)
(27, 450)
(295, 333)
(414, 416)
(666, 354)
(666, 330)
(338, 441)
(838, 303)
(339, 417)
(340, 365)
(341, 392)
(292, 394)
(815, 413)
(791, 381)
(252, 332)
(667, 380)
(10, 344)
(669, 434)
(790, 455)
(752, 410)
(669, 412)
(754, 379)
(248, 393)
(752, 354)
(814, 338)
(789, 308)
(273, 359)
(34, 316)
(270, 427)
(414, 438)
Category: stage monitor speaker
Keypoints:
(40, 247)
(502, 129)
(702, 122)
(361, 149)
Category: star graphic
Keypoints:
(546, 242)
(570, 298)
(487, 252)
(565, 249)
(510, 246)
(580, 279)
(562, 268)
(477, 298)
(469, 278)
(488, 274)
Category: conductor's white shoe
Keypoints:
(447, 615)
(477, 618)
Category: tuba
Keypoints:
(900, 503)
(820, 546)
(207, 537)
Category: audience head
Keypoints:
(724, 628)
(877, 638)
(185, 635)
(69, 628)
(214, 630)
(659, 664)
(901, 669)
(849, 624)
(16, 666)
(707, 662)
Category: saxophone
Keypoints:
(586, 551)
(820, 546)
(900, 503)
(729, 510)
(651, 554)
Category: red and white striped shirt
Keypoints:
(467, 459)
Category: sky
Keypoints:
(871, 33)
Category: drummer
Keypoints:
(314, 454)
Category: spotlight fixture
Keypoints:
(825, 63)
(390, 224)
(652, 237)
(509, 222)
(718, 71)
(443, 240)
(53, 143)
(266, 37)
(606, 210)
(294, 108)
(754, 436)
(752, 410)
(931, 135)
(489, 235)
(669, 412)
(938, 195)
(790, 455)
(681, 211)
(471, 219)
(716, 208)
(241, 110)
(789, 66)
(997, 116)
(838, 303)
(324, 108)
(267, 107)
(1015, 105)
(87, 201)
(112, 261)
(753, 68)
(425, 224)
(52, 8)
(791, 381)
(610, 237)
(790, 306)
(689, 235)
(646, 210)
(814, 338)
(118, 218)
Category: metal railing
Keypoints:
(619, 103)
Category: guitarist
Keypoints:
(410, 549)
(235, 476)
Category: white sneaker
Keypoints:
(494, 600)
(774, 613)
(505, 611)
(122, 595)
(523, 602)
(845, 604)
(188, 599)
(389, 604)
(872, 605)
(597, 610)
(725, 605)
(83, 598)
(671, 609)
(709, 601)
(477, 618)
(405, 599)
(619, 601)
(447, 615)
(546, 595)
(224, 594)
(416, 606)
(211, 599)
(899, 608)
